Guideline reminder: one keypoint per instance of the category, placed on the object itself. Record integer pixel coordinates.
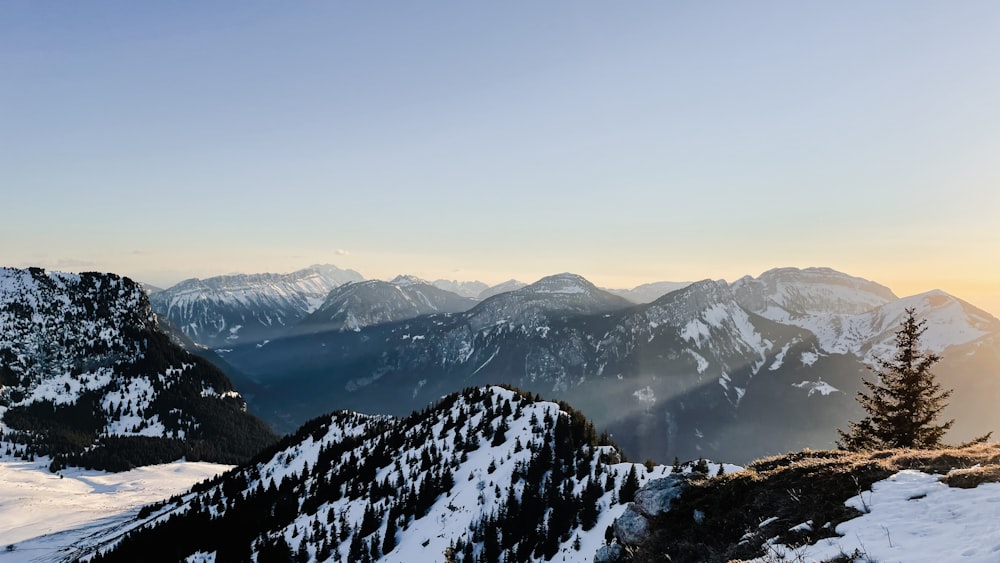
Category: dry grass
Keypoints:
(795, 488)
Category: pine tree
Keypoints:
(389, 543)
(904, 402)
(631, 484)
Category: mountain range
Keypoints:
(238, 308)
(222, 310)
(743, 369)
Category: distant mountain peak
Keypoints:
(470, 289)
(503, 287)
(352, 307)
(407, 279)
(649, 292)
(561, 283)
(786, 294)
(224, 310)
(529, 306)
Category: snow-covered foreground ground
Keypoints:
(913, 517)
(42, 513)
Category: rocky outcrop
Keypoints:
(633, 527)
(609, 553)
(655, 497)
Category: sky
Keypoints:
(628, 142)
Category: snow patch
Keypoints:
(820, 387)
(913, 517)
(645, 396)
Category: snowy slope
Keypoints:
(484, 472)
(84, 371)
(913, 517)
(813, 505)
(223, 310)
(36, 505)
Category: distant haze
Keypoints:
(630, 143)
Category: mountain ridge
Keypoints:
(356, 305)
(222, 310)
(87, 377)
(481, 472)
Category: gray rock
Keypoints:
(655, 496)
(608, 553)
(631, 528)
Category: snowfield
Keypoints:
(42, 513)
(913, 517)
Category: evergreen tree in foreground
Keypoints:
(904, 402)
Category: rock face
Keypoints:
(87, 377)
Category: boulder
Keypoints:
(609, 553)
(631, 528)
(655, 496)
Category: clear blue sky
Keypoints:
(625, 141)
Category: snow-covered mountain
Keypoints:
(87, 377)
(851, 315)
(785, 294)
(488, 474)
(503, 287)
(470, 289)
(701, 370)
(950, 322)
(224, 310)
(354, 306)
(646, 372)
(531, 305)
(649, 292)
